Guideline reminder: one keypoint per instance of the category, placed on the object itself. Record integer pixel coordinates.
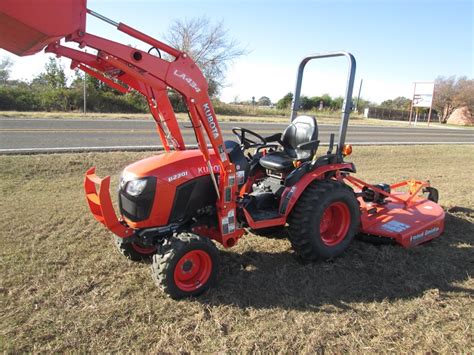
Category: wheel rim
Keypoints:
(193, 270)
(143, 250)
(334, 223)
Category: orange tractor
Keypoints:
(175, 205)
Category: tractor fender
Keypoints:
(292, 193)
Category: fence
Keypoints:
(398, 115)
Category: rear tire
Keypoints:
(324, 221)
(187, 266)
(134, 251)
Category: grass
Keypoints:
(65, 288)
(323, 118)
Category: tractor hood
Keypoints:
(172, 167)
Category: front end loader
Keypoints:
(175, 205)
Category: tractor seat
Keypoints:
(303, 129)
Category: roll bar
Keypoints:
(346, 106)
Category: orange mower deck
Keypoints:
(405, 218)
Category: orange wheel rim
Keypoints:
(334, 223)
(193, 270)
(143, 250)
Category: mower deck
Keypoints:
(408, 225)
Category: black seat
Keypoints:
(299, 142)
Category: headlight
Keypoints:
(135, 187)
(122, 183)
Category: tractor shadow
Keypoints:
(365, 273)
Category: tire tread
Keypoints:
(163, 262)
(300, 226)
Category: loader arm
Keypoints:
(183, 75)
(134, 69)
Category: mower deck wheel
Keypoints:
(134, 251)
(324, 221)
(187, 266)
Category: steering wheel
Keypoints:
(247, 142)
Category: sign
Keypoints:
(422, 100)
(423, 95)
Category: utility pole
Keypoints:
(356, 108)
(85, 94)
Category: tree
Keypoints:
(5, 66)
(337, 102)
(362, 104)
(208, 44)
(93, 84)
(53, 77)
(451, 93)
(399, 103)
(465, 95)
(327, 101)
(285, 101)
(307, 103)
(264, 101)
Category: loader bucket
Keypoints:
(27, 26)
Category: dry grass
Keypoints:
(64, 288)
(335, 118)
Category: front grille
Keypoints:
(138, 208)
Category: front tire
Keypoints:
(324, 221)
(188, 266)
(134, 251)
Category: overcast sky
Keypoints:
(395, 42)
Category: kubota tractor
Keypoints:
(175, 205)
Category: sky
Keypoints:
(395, 43)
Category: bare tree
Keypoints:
(465, 95)
(208, 44)
(443, 97)
(451, 93)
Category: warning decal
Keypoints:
(395, 226)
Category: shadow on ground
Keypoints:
(365, 273)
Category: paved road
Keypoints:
(40, 134)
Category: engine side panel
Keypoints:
(192, 196)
